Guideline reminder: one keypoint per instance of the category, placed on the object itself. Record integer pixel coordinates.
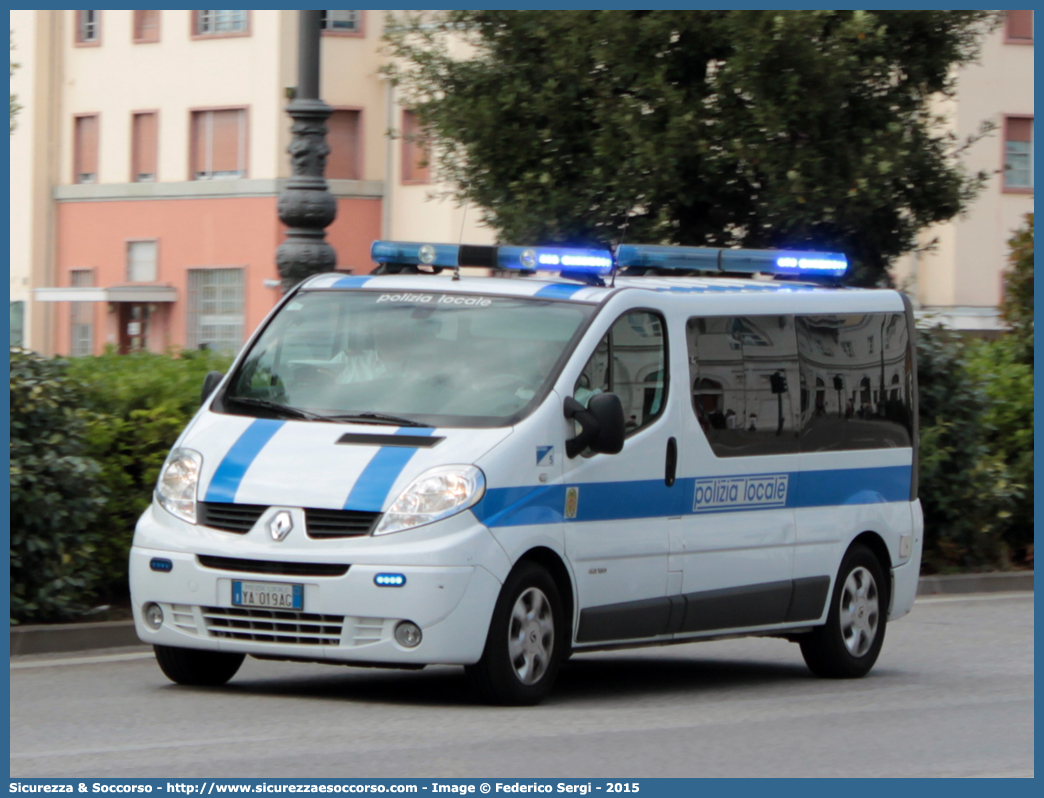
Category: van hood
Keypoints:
(323, 465)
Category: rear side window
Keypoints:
(856, 381)
(743, 374)
(630, 361)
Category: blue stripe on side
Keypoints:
(610, 501)
(558, 291)
(230, 473)
(372, 486)
(351, 282)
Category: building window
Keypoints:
(144, 141)
(17, 323)
(88, 27)
(85, 154)
(343, 22)
(81, 316)
(343, 137)
(415, 151)
(220, 23)
(1018, 154)
(218, 144)
(141, 261)
(146, 26)
(1018, 27)
(215, 309)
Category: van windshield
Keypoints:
(426, 359)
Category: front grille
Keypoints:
(272, 566)
(229, 517)
(339, 523)
(273, 626)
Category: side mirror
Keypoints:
(601, 422)
(210, 382)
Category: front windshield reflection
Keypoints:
(439, 359)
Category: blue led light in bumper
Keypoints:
(161, 564)
(389, 580)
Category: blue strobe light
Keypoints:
(555, 259)
(389, 580)
(415, 254)
(748, 261)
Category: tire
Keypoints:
(848, 645)
(526, 640)
(198, 668)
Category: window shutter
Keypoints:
(145, 142)
(86, 155)
(1020, 25)
(1020, 130)
(343, 138)
(226, 140)
(146, 26)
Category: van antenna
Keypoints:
(460, 239)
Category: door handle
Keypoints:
(672, 462)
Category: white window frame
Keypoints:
(213, 23)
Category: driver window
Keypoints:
(629, 361)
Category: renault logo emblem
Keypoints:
(280, 525)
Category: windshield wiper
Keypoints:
(286, 410)
(375, 418)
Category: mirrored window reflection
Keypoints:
(857, 379)
(744, 378)
(630, 362)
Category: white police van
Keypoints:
(609, 449)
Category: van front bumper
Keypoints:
(346, 618)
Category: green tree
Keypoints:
(1017, 306)
(723, 128)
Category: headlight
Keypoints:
(436, 494)
(176, 488)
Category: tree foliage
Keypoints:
(723, 128)
(137, 406)
(966, 490)
(1017, 307)
(56, 493)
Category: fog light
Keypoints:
(408, 634)
(154, 617)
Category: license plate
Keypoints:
(269, 595)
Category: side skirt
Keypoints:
(767, 604)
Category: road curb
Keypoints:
(955, 584)
(65, 637)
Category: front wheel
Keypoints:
(192, 666)
(848, 645)
(526, 640)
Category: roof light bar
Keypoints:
(555, 259)
(767, 261)
(414, 254)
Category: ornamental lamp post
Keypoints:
(306, 206)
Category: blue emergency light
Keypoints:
(786, 262)
(406, 252)
(556, 259)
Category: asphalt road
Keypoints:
(952, 695)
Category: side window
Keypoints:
(746, 388)
(630, 361)
(857, 371)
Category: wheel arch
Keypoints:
(873, 541)
(550, 559)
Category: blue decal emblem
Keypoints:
(758, 492)
(545, 455)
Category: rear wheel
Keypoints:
(526, 640)
(195, 667)
(848, 645)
